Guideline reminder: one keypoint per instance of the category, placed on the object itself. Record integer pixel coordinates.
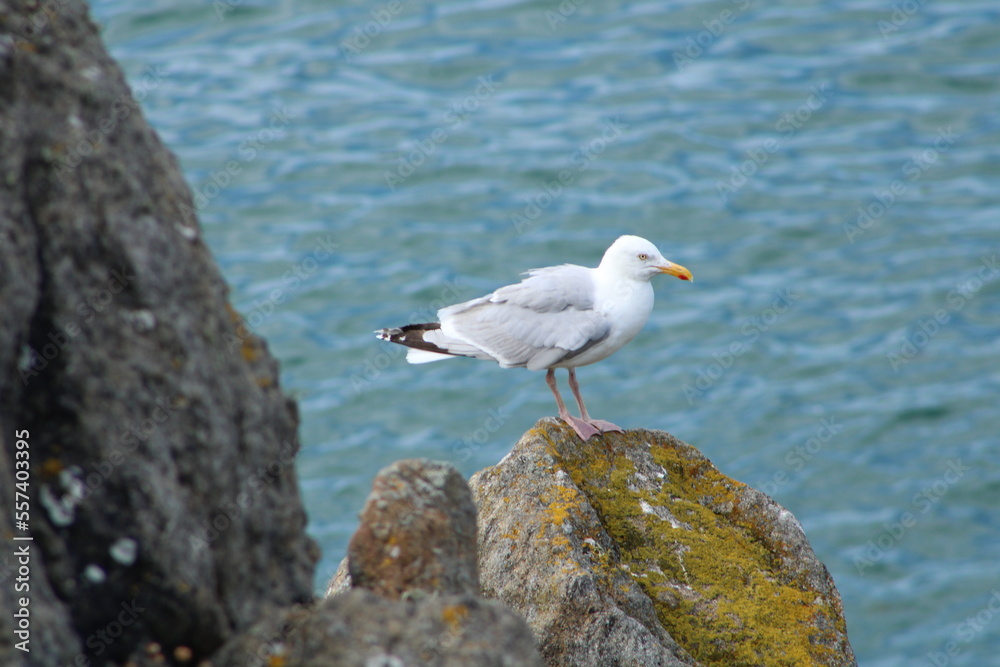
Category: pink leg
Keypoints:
(598, 424)
(583, 428)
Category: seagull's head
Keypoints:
(638, 259)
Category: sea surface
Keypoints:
(827, 170)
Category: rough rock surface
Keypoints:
(165, 507)
(340, 582)
(417, 532)
(633, 549)
(413, 557)
(361, 629)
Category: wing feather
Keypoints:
(546, 318)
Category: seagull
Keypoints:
(563, 316)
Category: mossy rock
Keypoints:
(729, 573)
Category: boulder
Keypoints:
(633, 549)
(417, 533)
(164, 503)
(408, 591)
(362, 629)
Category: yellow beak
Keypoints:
(677, 270)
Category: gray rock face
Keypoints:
(361, 629)
(545, 552)
(633, 549)
(165, 507)
(417, 533)
(413, 567)
(340, 582)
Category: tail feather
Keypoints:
(426, 342)
(412, 336)
(415, 356)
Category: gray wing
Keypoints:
(546, 318)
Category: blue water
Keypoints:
(828, 171)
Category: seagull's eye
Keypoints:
(643, 257)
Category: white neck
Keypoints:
(628, 302)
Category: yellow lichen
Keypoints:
(391, 551)
(717, 588)
(560, 503)
(251, 347)
(249, 350)
(453, 615)
(511, 534)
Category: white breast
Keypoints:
(627, 305)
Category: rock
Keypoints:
(361, 629)
(417, 533)
(340, 582)
(633, 549)
(165, 507)
(415, 599)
